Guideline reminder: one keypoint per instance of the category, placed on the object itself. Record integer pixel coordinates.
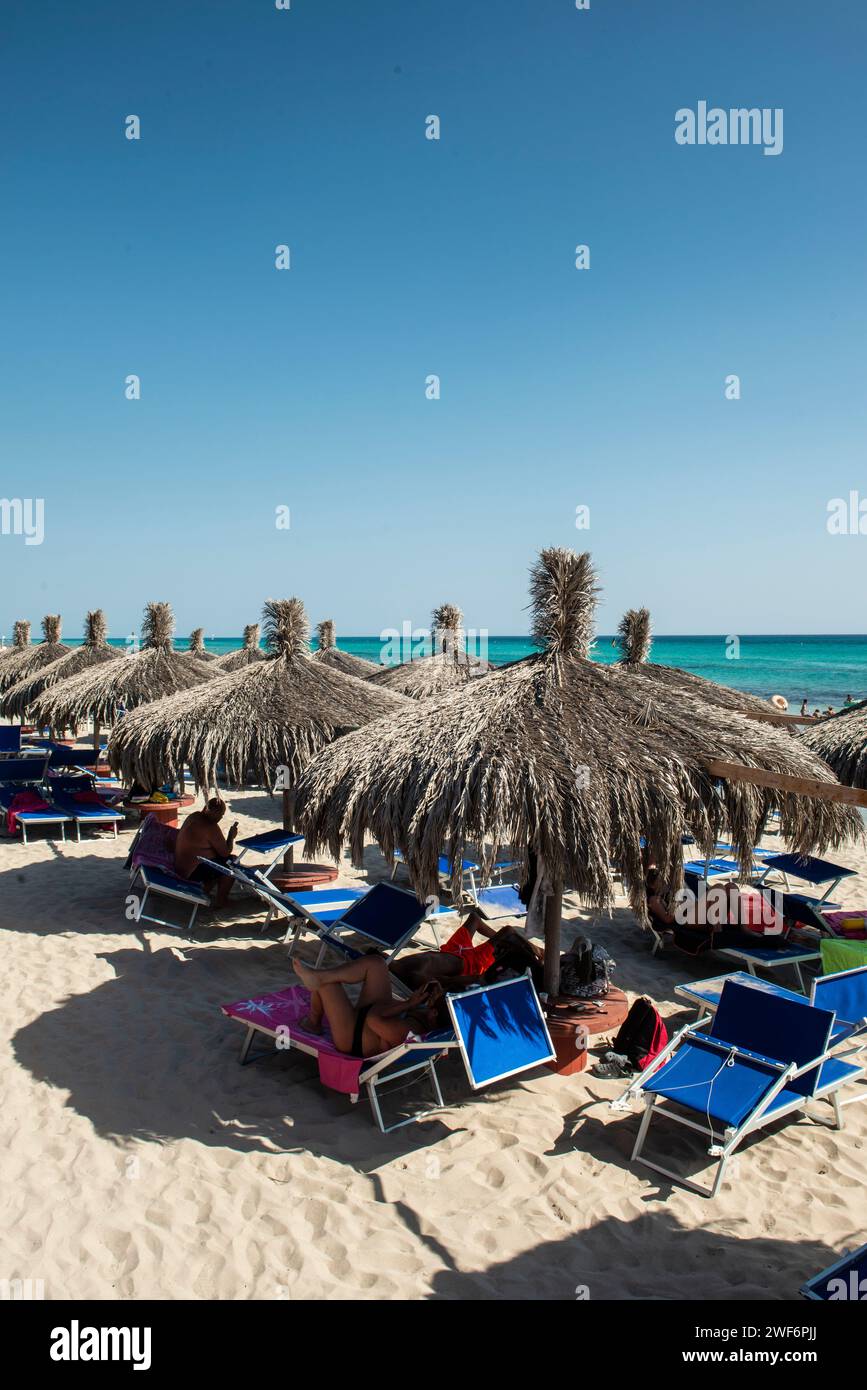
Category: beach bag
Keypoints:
(585, 970)
(642, 1034)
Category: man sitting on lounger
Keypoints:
(378, 1021)
(200, 834)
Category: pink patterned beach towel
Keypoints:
(283, 1010)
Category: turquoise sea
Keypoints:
(824, 669)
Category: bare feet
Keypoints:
(305, 974)
(309, 1024)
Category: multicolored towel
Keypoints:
(283, 1011)
(154, 846)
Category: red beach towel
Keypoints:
(23, 801)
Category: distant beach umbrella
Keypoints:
(197, 648)
(329, 653)
(448, 668)
(242, 656)
(634, 638)
(94, 651)
(136, 679)
(841, 741)
(562, 756)
(31, 659)
(20, 640)
(269, 716)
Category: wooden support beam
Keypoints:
(781, 781)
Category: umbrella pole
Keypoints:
(96, 733)
(289, 856)
(553, 917)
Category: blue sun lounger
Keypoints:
(167, 885)
(273, 844)
(763, 1057)
(10, 739)
(27, 774)
(386, 916)
(470, 868)
(842, 1282)
(498, 1030)
(61, 794)
(843, 993)
(807, 870)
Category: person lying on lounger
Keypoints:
(461, 963)
(200, 834)
(378, 1021)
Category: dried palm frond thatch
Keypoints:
(20, 639)
(242, 656)
(560, 755)
(197, 646)
(33, 659)
(139, 677)
(841, 740)
(329, 653)
(634, 637)
(448, 668)
(274, 714)
(94, 651)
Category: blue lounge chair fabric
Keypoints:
(844, 1281)
(470, 869)
(501, 1030)
(809, 870)
(273, 844)
(10, 738)
(160, 882)
(84, 813)
(763, 1057)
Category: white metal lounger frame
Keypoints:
(723, 1146)
(371, 1074)
(179, 894)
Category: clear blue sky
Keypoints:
(410, 257)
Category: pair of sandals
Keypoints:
(615, 1066)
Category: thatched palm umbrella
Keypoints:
(841, 740)
(447, 669)
(32, 659)
(197, 648)
(150, 674)
(94, 651)
(329, 653)
(20, 640)
(634, 638)
(269, 718)
(242, 656)
(563, 756)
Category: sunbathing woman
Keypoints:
(378, 1021)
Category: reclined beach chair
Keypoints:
(10, 740)
(763, 1057)
(844, 1281)
(386, 916)
(808, 870)
(499, 1030)
(22, 796)
(470, 870)
(64, 794)
(163, 883)
(843, 993)
(151, 860)
(322, 906)
(273, 844)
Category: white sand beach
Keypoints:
(141, 1161)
